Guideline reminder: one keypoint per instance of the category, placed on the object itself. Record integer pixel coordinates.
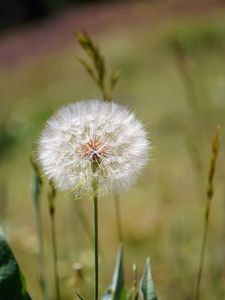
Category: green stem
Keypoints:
(41, 261)
(118, 218)
(36, 192)
(96, 241)
(210, 192)
(203, 248)
(55, 255)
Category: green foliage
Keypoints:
(147, 289)
(12, 283)
(116, 291)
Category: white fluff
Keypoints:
(87, 131)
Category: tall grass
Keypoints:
(51, 206)
(210, 193)
(36, 191)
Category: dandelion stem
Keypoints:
(51, 198)
(215, 149)
(95, 211)
(96, 243)
(118, 218)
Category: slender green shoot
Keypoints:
(135, 283)
(118, 218)
(133, 294)
(210, 192)
(51, 202)
(36, 193)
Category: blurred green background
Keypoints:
(156, 45)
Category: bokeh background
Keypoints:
(172, 60)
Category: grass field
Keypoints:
(163, 213)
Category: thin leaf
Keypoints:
(117, 291)
(147, 289)
(12, 282)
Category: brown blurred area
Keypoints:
(52, 27)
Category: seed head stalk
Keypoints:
(95, 210)
(210, 192)
(36, 191)
(51, 200)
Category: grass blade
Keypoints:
(116, 290)
(147, 289)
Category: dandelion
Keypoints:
(93, 132)
(96, 146)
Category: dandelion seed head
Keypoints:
(93, 132)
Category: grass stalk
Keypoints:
(55, 257)
(41, 260)
(36, 191)
(210, 192)
(192, 102)
(51, 199)
(183, 66)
